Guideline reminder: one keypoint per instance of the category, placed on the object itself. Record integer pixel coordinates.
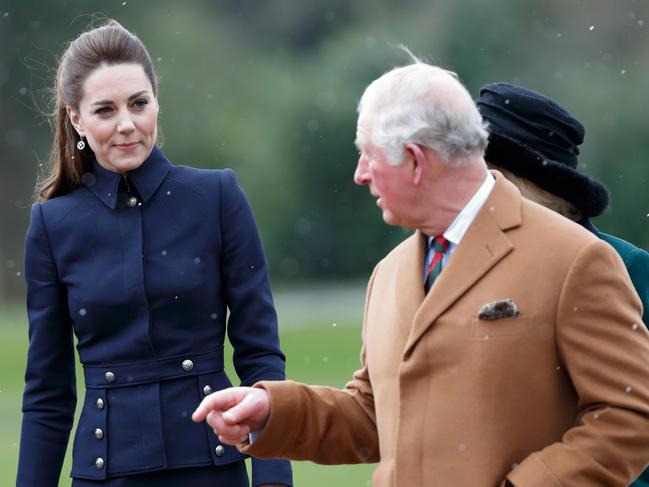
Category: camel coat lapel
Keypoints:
(410, 277)
(482, 247)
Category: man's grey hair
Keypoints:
(425, 105)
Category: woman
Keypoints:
(141, 260)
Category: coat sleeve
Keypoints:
(49, 399)
(321, 424)
(252, 325)
(604, 346)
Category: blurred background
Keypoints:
(269, 88)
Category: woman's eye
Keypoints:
(103, 110)
(140, 103)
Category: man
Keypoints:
(535, 142)
(526, 363)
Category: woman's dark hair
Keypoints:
(105, 45)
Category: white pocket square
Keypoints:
(501, 308)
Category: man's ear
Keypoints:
(75, 119)
(418, 157)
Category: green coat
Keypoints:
(636, 262)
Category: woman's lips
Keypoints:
(129, 146)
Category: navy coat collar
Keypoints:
(146, 178)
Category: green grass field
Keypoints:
(320, 334)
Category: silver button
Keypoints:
(132, 201)
(207, 390)
(219, 450)
(110, 377)
(99, 463)
(99, 434)
(99, 403)
(188, 365)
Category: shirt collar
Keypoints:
(146, 178)
(463, 220)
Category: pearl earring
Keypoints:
(81, 144)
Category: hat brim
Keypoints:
(589, 196)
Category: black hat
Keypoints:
(536, 138)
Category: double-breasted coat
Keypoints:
(143, 270)
(557, 395)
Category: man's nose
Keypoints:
(362, 173)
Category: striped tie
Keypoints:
(438, 247)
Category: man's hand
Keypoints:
(233, 413)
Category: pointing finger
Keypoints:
(238, 413)
(242, 411)
(217, 401)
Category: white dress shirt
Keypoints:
(463, 220)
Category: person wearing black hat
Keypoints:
(534, 142)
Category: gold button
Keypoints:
(99, 403)
(207, 390)
(187, 365)
(110, 377)
(219, 450)
(99, 434)
(132, 201)
(99, 463)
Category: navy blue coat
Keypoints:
(145, 286)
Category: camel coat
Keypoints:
(557, 396)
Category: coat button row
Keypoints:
(99, 434)
(110, 377)
(99, 463)
(207, 390)
(219, 450)
(99, 403)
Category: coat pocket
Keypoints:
(134, 431)
(504, 327)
